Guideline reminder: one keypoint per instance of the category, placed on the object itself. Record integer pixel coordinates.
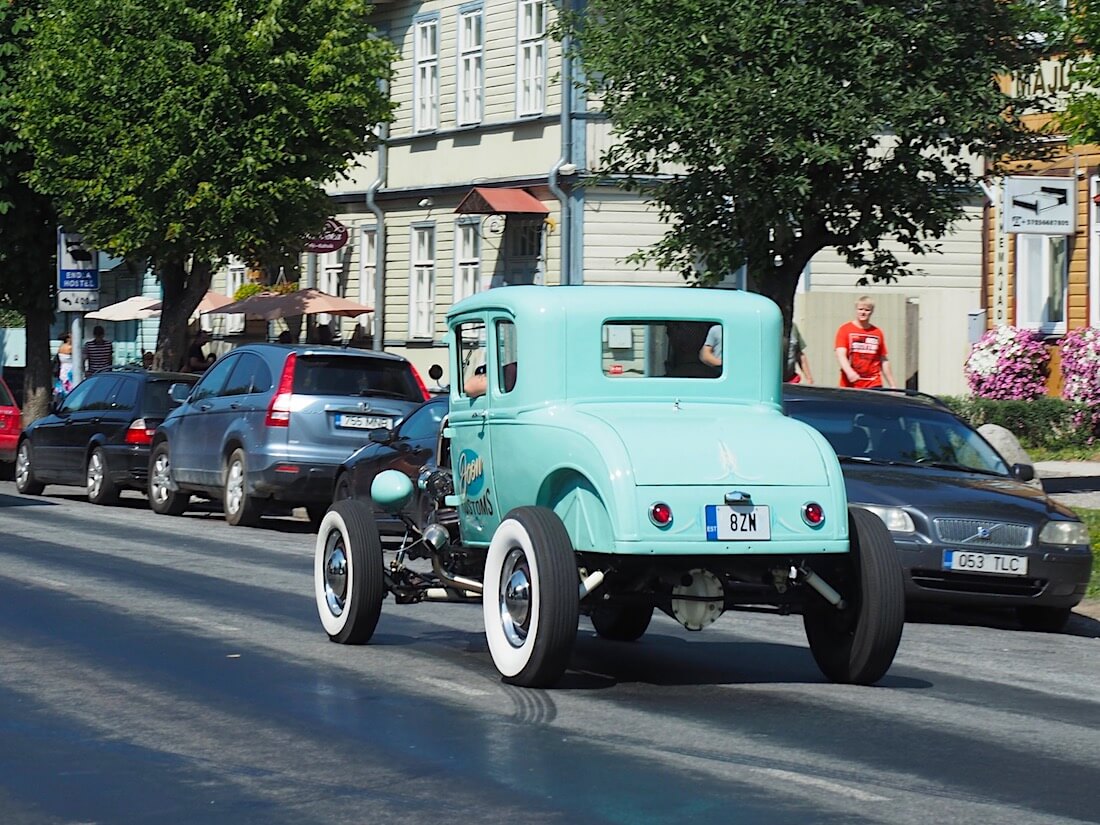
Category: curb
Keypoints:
(1089, 607)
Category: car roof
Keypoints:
(140, 372)
(863, 399)
(319, 349)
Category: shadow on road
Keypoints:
(997, 618)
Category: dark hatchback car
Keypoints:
(99, 436)
(969, 531)
(273, 422)
(410, 447)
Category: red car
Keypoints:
(10, 423)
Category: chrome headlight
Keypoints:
(1064, 532)
(895, 519)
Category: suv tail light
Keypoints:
(278, 411)
(420, 383)
(139, 433)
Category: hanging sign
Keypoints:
(332, 237)
(1037, 205)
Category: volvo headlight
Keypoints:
(1064, 532)
(895, 519)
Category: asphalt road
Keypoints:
(173, 670)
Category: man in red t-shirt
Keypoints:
(861, 350)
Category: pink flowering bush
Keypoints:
(1081, 376)
(1008, 363)
(1081, 366)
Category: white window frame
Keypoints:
(330, 268)
(426, 73)
(531, 58)
(1044, 246)
(235, 277)
(368, 272)
(470, 71)
(467, 275)
(422, 281)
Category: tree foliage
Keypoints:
(1081, 116)
(28, 224)
(184, 131)
(796, 126)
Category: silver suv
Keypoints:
(273, 422)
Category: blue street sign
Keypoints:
(83, 279)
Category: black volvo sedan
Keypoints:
(968, 528)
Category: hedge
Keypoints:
(1046, 422)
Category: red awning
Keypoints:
(482, 200)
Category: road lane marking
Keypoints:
(450, 687)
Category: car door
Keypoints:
(82, 426)
(196, 438)
(49, 433)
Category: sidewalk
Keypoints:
(1074, 483)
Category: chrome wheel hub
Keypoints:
(336, 574)
(234, 487)
(95, 474)
(515, 597)
(159, 481)
(22, 465)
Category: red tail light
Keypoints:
(278, 411)
(139, 433)
(420, 383)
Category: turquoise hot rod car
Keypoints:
(592, 464)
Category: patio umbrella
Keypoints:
(211, 300)
(270, 305)
(132, 309)
(140, 307)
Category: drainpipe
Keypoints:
(379, 234)
(565, 160)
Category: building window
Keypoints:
(422, 283)
(531, 65)
(471, 54)
(467, 260)
(426, 77)
(330, 268)
(368, 268)
(1041, 280)
(234, 280)
(524, 238)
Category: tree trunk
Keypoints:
(38, 374)
(183, 290)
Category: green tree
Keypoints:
(790, 127)
(1081, 116)
(28, 224)
(183, 131)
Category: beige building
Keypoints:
(486, 179)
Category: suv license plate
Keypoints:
(995, 563)
(748, 523)
(363, 422)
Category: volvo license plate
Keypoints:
(997, 564)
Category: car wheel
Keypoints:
(856, 644)
(316, 513)
(622, 622)
(1043, 619)
(241, 509)
(531, 600)
(342, 491)
(101, 489)
(162, 498)
(25, 481)
(348, 573)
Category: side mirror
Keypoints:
(1022, 472)
(55, 405)
(381, 435)
(178, 392)
(435, 372)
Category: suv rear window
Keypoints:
(348, 375)
(154, 402)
